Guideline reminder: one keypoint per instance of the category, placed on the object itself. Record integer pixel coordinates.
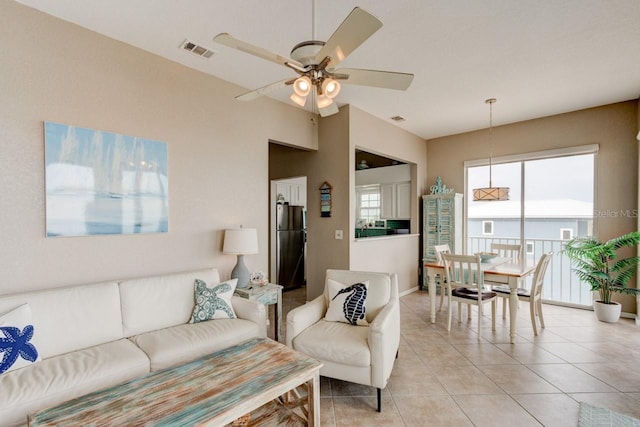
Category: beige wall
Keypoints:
(400, 254)
(329, 163)
(334, 162)
(612, 127)
(218, 148)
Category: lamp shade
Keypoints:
(330, 88)
(324, 101)
(300, 100)
(490, 194)
(302, 86)
(240, 241)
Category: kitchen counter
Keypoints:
(365, 233)
(390, 236)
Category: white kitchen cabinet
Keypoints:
(395, 201)
(295, 194)
(298, 195)
(284, 189)
(387, 201)
(403, 200)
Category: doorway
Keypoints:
(288, 232)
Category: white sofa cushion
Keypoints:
(378, 292)
(160, 302)
(184, 343)
(68, 319)
(335, 342)
(64, 377)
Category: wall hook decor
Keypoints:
(325, 199)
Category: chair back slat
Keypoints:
(507, 250)
(463, 270)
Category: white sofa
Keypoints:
(95, 336)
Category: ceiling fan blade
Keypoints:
(383, 79)
(230, 41)
(328, 110)
(265, 90)
(354, 30)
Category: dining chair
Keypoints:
(504, 250)
(465, 286)
(439, 250)
(533, 297)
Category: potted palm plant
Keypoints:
(598, 264)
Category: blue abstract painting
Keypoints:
(104, 183)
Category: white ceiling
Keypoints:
(537, 57)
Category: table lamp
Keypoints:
(241, 242)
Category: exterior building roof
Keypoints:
(552, 208)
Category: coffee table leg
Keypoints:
(313, 400)
(278, 326)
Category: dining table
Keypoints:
(506, 271)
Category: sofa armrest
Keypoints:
(384, 340)
(251, 310)
(300, 318)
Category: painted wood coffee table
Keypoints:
(211, 391)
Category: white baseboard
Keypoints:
(408, 291)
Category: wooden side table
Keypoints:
(268, 294)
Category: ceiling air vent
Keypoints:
(398, 119)
(196, 49)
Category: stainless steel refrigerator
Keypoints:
(291, 236)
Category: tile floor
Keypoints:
(452, 379)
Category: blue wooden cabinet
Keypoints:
(442, 223)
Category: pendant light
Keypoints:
(490, 193)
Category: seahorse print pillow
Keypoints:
(213, 301)
(18, 343)
(347, 303)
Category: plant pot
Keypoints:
(609, 313)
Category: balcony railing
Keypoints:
(560, 285)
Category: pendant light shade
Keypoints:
(302, 86)
(324, 101)
(330, 88)
(300, 100)
(490, 193)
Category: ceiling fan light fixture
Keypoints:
(300, 100)
(330, 87)
(324, 101)
(302, 86)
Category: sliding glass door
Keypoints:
(551, 201)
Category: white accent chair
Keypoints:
(358, 354)
(504, 250)
(533, 297)
(465, 286)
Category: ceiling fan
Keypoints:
(315, 62)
